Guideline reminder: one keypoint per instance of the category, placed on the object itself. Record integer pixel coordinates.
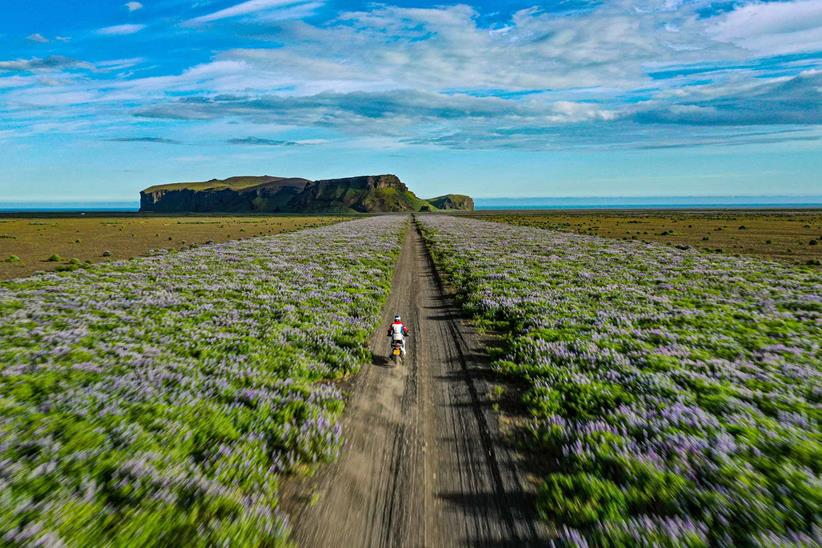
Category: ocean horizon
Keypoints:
(649, 202)
(486, 204)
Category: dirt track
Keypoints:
(423, 463)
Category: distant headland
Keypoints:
(266, 194)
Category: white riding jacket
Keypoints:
(397, 331)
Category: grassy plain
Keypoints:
(30, 244)
(787, 235)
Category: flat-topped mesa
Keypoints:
(232, 195)
(266, 194)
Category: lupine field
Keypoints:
(157, 401)
(674, 396)
(67, 242)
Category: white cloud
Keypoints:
(570, 112)
(298, 11)
(442, 77)
(37, 37)
(133, 6)
(120, 30)
(449, 48)
(393, 113)
(245, 8)
(772, 28)
(16, 82)
(54, 62)
(119, 64)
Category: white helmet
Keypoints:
(397, 318)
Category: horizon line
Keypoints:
(584, 197)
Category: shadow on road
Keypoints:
(382, 361)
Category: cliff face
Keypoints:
(453, 201)
(239, 194)
(367, 194)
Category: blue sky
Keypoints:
(99, 99)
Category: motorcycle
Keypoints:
(396, 352)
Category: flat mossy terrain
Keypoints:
(50, 243)
(787, 235)
(233, 183)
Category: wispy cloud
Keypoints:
(394, 113)
(37, 37)
(118, 64)
(246, 8)
(732, 141)
(782, 101)
(157, 140)
(259, 141)
(120, 30)
(297, 11)
(464, 121)
(133, 6)
(47, 63)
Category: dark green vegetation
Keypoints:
(787, 235)
(368, 194)
(675, 397)
(27, 243)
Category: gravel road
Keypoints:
(423, 463)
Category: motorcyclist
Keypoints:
(398, 332)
